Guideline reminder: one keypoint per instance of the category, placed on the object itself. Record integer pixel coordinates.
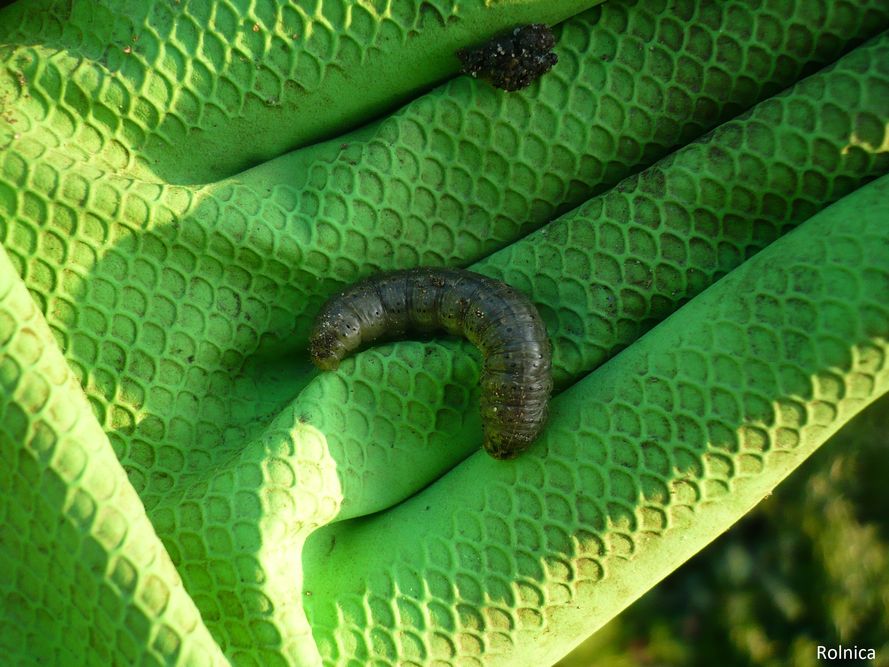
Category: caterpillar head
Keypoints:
(333, 337)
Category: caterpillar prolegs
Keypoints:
(516, 377)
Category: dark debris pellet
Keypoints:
(512, 61)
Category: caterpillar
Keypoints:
(516, 378)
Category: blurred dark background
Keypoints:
(809, 566)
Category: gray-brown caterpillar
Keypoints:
(516, 378)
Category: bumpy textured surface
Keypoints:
(692, 425)
(615, 266)
(85, 575)
(169, 447)
(194, 91)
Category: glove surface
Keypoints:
(694, 196)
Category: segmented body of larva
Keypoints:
(516, 378)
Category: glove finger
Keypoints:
(201, 90)
(467, 170)
(179, 309)
(611, 269)
(645, 461)
(236, 531)
(608, 271)
(85, 578)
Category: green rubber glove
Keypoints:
(182, 184)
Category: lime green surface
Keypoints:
(808, 567)
(183, 183)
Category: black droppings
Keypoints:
(512, 61)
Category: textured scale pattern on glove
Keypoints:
(78, 551)
(192, 79)
(757, 372)
(626, 259)
(174, 305)
(205, 288)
